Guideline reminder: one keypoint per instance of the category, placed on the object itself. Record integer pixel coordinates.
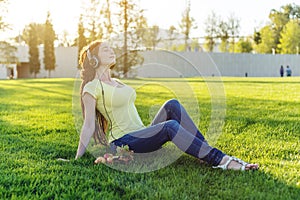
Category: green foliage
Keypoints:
(133, 58)
(7, 53)
(187, 24)
(171, 32)
(267, 40)
(271, 34)
(108, 25)
(257, 37)
(244, 46)
(233, 29)
(290, 38)
(211, 30)
(261, 125)
(223, 34)
(39, 28)
(151, 37)
(219, 29)
(141, 30)
(81, 41)
(195, 45)
(49, 54)
(125, 28)
(130, 16)
(34, 61)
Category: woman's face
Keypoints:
(107, 55)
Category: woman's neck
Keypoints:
(103, 74)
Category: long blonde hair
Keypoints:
(88, 74)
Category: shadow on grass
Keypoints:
(41, 88)
(28, 166)
(52, 81)
(264, 112)
(187, 179)
(262, 80)
(238, 185)
(240, 80)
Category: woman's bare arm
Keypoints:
(88, 127)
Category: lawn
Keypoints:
(261, 125)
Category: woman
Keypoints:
(105, 99)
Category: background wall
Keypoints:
(172, 64)
(214, 64)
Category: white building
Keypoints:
(8, 71)
(66, 63)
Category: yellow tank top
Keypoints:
(119, 103)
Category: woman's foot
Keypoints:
(230, 162)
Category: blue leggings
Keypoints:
(171, 123)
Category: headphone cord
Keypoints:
(103, 100)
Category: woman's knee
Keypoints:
(172, 127)
(172, 103)
(172, 123)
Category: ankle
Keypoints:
(224, 160)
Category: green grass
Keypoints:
(262, 125)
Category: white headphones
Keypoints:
(93, 61)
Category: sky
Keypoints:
(164, 13)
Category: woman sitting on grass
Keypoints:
(105, 99)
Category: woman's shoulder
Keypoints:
(92, 87)
(119, 81)
(116, 79)
(92, 83)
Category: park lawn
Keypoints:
(261, 125)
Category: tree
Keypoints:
(221, 30)
(290, 38)
(171, 36)
(107, 15)
(211, 31)
(141, 29)
(3, 24)
(92, 17)
(126, 6)
(279, 18)
(223, 34)
(49, 54)
(152, 37)
(26, 33)
(128, 14)
(64, 39)
(98, 22)
(187, 23)
(81, 40)
(243, 46)
(195, 45)
(7, 53)
(234, 29)
(34, 62)
(268, 41)
(257, 37)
